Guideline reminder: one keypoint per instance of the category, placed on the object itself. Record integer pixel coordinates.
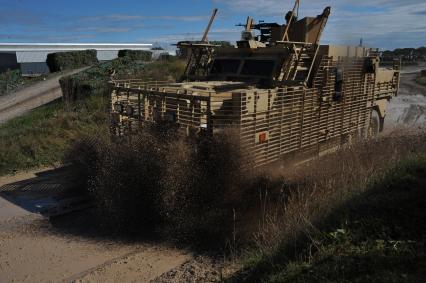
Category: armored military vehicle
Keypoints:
(279, 91)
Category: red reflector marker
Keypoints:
(262, 138)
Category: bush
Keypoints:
(12, 80)
(94, 81)
(136, 55)
(61, 61)
(77, 87)
(183, 51)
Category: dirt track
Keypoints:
(68, 248)
(17, 103)
(29, 254)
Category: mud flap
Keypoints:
(381, 108)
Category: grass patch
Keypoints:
(41, 137)
(370, 233)
(421, 81)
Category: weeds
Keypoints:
(380, 239)
(316, 189)
(41, 137)
(12, 80)
(195, 192)
(354, 184)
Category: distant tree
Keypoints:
(406, 54)
(182, 52)
(139, 55)
(61, 61)
(421, 51)
(221, 43)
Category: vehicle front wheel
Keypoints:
(375, 125)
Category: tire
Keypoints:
(375, 126)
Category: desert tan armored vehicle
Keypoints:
(279, 90)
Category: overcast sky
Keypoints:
(386, 24)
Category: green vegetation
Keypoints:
(183, 52)
(71, 60)
(94, 81)
(421, 80)
(11, 81)
(406, 54)
(377, 235)
(140, 55)
(41, 137)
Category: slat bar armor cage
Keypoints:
(329, 101)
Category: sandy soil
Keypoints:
(29, 253)
(68, 248)
(140, 266)
(200, 269)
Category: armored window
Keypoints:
(262, 68)
(225, 66)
